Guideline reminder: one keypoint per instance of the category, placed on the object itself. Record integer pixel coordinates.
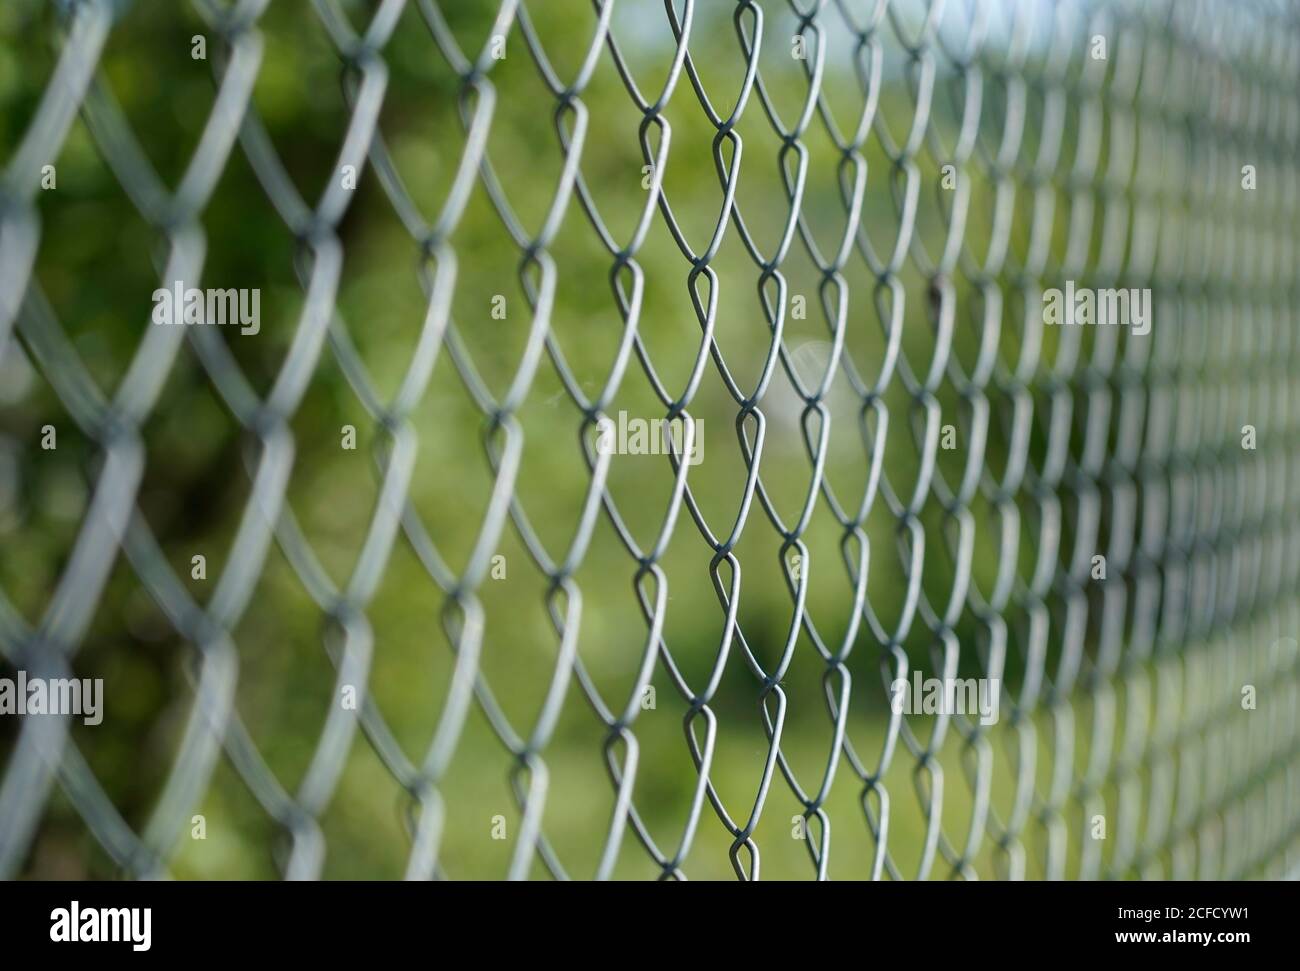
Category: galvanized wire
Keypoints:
(1124, 698)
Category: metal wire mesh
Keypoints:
(928, 171)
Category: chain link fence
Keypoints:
(709, 409)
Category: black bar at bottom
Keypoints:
(451, 922)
